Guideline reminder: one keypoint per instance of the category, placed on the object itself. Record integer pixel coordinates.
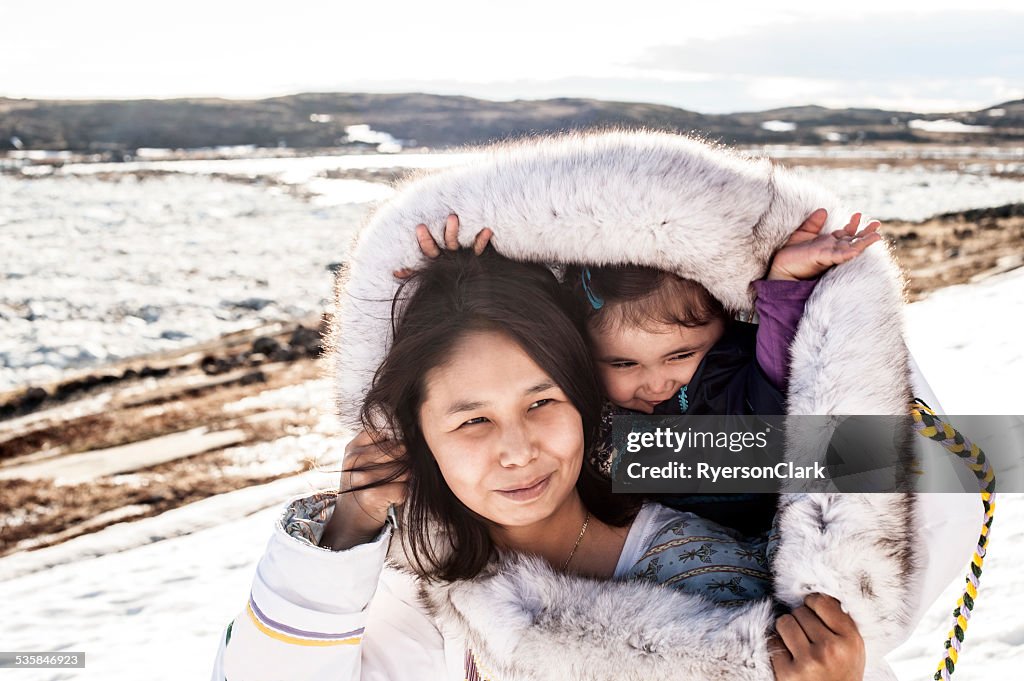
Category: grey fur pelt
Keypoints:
(714, 216)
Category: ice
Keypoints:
(914, 194)
(294, 170)
(108, 270)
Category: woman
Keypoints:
(496, 403)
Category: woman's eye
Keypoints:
(541, 403)
(474, 421)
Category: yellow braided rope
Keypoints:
(928, 424)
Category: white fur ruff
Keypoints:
(716, 217)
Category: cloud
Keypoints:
(949, 45)
(947, 60)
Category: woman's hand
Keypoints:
(820, 642)
(362, 504)
(430, 248)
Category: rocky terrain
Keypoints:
(958, 248)
(150, 434)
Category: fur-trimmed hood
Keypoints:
(707, 214)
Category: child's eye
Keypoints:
(684, 355)
(623, 365)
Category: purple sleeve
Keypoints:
(779, 305)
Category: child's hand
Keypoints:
(430, 248)
(808, 252)
(820, 643)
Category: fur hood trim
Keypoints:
(657, 199)
(543, 626)
(526, 622)
(714, 216)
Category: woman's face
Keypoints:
(507, 440)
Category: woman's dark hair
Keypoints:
(456, 294)
(654, 297)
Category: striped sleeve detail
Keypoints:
(299, 637)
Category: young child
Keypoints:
(664, 345)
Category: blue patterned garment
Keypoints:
(698, 556)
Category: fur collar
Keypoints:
(711, 215)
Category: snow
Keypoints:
(960, 338)
(39, 154)
(946, 125)
(778, 126)
(294, 397)
(330, 193)
(155, 594)
(994, 644)
(365, 134)
(152, 606)
(857, 152)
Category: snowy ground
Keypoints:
(151, 611)
(963, 338)
(150, 598)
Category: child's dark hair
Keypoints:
(456, 294)
(654, 297)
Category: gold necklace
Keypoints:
(583, 531)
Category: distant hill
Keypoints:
(319, 120)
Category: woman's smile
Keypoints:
(528, 492)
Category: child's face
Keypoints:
(640, 368)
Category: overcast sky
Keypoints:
(709, 57)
